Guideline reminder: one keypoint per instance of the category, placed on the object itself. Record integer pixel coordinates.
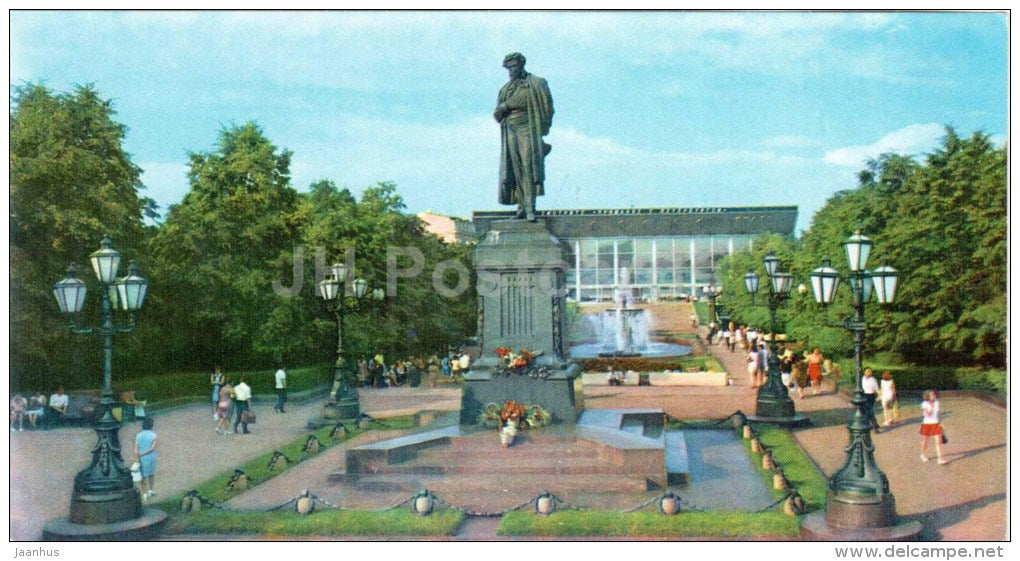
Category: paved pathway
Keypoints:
(43, 463)
(962, 500)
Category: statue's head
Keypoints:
(514, 63)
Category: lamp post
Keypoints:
(343, 402)
(773, 401)
(858, 497)
(104, 501)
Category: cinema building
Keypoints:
(668, 252)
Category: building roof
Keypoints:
(640, 222)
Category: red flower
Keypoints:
(502, 352)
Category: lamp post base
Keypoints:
(850, 518)
(347, 409)
(814, 528)
(148, 526)
(851, 512)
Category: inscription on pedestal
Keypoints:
(516, 305)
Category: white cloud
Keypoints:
(911, 139)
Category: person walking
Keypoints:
(870, 386)
(753, 367)
(224, 407)
(242, 404)
(931, 425)
(281, 389)
(216, 381)
(814, 362)
(145, 455)
(887, 389)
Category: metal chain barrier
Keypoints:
(483, 514)
(565, 504)
(791, 491)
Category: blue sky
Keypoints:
(652, 108)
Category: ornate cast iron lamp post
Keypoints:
(343, 400)
(104, 502)
(858, 499)
(773, 402)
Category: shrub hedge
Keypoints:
(920, 378)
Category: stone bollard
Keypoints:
(779, 480)
(755, 445)
(191, 503)
(794, 505)
(423, 503)
(767, 463)
(747, 431)
(339, 431)
(305, 504)
(545, 504)
(238, 481)
(311, 445)
(668, 504)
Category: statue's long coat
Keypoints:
(540, 113)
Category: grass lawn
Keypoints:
(650, 524)
(331, 522)
(799, 470)
(257, 469)
(718, 524)
(325, 522)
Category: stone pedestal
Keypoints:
(521, 305)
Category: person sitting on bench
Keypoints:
(58, 405)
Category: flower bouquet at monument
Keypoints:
(511, 416)
(518, 363)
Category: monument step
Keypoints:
(530, 484)
(491, 445)
(495, 465)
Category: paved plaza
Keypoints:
(962, 500)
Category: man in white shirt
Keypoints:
(465, 362)
(281, 389)
(59, 403)
(242, 402)
(870, 386)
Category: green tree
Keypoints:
(71, 184)
(949, 239)
(218, 249)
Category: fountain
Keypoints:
(624, 330)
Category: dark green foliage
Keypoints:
(212, 263)
(71, 183)
(941, 223)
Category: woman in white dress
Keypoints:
(887, 389)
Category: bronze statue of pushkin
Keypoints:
(524, 112)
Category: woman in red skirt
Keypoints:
(814, 364)
(930, 425)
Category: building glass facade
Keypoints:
(657, 267)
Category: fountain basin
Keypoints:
(651, 349)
